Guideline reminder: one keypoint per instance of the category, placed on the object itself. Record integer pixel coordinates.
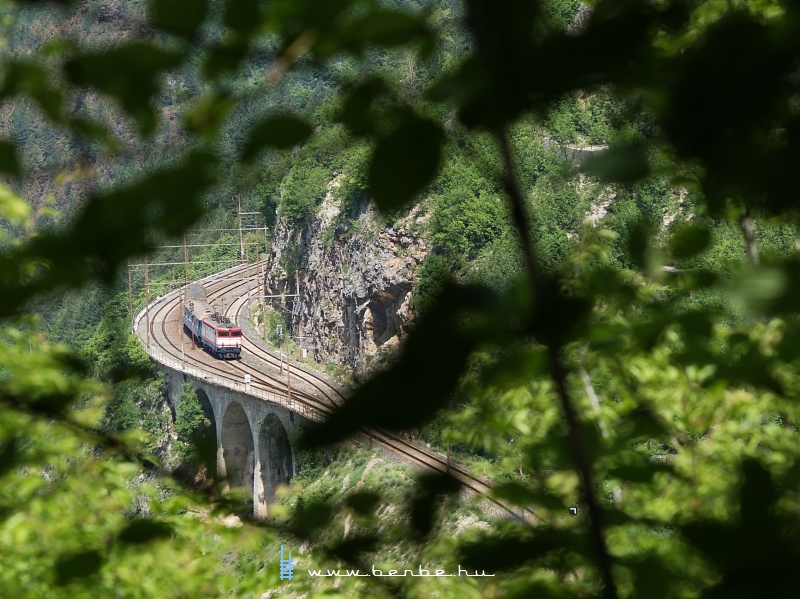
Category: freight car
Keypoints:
(217, 334)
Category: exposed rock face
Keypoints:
(581, 20)
(354, 280)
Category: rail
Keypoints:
(176, 364)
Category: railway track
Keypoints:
(300, 389)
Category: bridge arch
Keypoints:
(237, 465)
(276, 456)
(205, 435)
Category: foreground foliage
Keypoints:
(660, 402)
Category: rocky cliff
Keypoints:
(354, 276)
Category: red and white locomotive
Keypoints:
(217, 334)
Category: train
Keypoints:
(217, 334)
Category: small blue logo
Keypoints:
(287, 566)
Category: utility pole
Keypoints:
(185, 261)
(147, 299)
(241, 239)
(130, 293)
(186, 291)
(264, 299)
(183, 303)
(279, 332)
(295, 317)
(249, 279)
(288, 385)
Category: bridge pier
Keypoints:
(260, 507)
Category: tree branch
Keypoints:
(590, 392)
(542, 288)
(748, 227)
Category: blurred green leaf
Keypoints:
(357, 110)
(388, 28)
(755, 553)
(609, 282)
(688, 240)
(653, 580)
(642, 424)
(224, 58)
(430, 488)
(625, 164)
(741, 160)
(9, 163)
(112, 226)
(540, 590)
(772, 288)
(243, 16)
(89, 129)
(144, 531)
(13, 208)
(516, 366)
(761, 286)
(23, 77)
(182, 17)
(696, 325)
(131, 73)
(282, 132)
(363, 503)
(509, 548)
(641, 472)
(313, 517)
(404, 162)
(521, 495)
(558, 317)
(351, 549)
(208, 115)
(78, 566)
(513, 71)
(9, 455)
(640, 245)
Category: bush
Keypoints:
(303, 191)
(192, 425)
(433, 274)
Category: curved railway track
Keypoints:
(300, 389)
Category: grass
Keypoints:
(290, 348)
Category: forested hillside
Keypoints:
(592, 219)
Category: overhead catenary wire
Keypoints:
(245, 243)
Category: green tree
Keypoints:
(433, 276)
(113, 350)
(193, 426)
(121, 412)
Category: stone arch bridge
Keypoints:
(252, 436)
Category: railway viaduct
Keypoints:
(253, 437)
(254, 426)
